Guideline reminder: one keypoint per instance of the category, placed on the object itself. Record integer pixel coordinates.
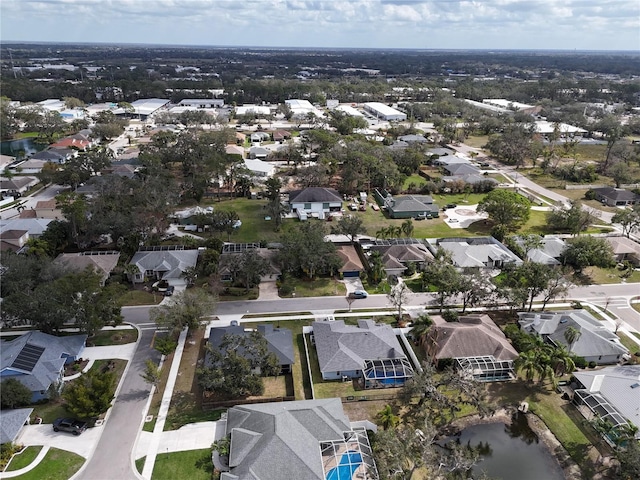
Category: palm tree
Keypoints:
(571, 335)
(420, 328)
(527, 362)
(387, 418)
(562, 361)
(407, 227)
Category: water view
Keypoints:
(511, 452)
(22, 147)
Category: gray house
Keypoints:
(12, 422)
(308, 439)
(476, 252)
(315, 202)
(549, 251)
(37, 360)
(410, 206)
(370, 352)
(162, 264)
(596, 343)
(611, 393)
(279, 341)
(397, 254)
(616, 196)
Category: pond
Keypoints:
(23, 146)
(511, 452)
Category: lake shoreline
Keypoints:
(570, 469)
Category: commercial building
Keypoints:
(385, 112)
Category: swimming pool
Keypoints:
(349, 463)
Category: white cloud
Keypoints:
(606, 24)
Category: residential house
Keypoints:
(307, 439)
(476, 252)
(368, 352)
(615, 197)
(102, 262)
(235, 150)
(48, 209)
(167, 263)
(37, 360)
(17, 184)
(12, 422)
(625, 249)
(439, 152)
(232, 250)
(411, 139)
(192, 218)
(406, 206)
(259, 153)
(316, 202)
(476, 344)
(548, 253)
(35, 226)
(257, 137)
(78, 141)
(459, 169)
(281, 135)
(279, 342)
(31, 166)
(50, 155)
(13, 240)
(351, 263)
(398, 253)
(611, 394)
(260, 169)
(449, 160)
(595, 343)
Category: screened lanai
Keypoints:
(486, 368)
(349, 458)
(598, 406)
(386, 373)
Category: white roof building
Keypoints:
(258, 168)
(546, 128)
(349, 110)
(255, 109)
(384, 112)
(144, 106)
(501, 102)
(302, 107)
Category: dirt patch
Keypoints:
(555, 448)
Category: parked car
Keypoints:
(451, 205)
(69, 425)
(421, 216)
(160, 286)
(169, 291)
(358, 294)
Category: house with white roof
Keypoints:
(548, 253)
(611, 394)
(259, 169)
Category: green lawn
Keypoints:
(140, 464)
(140, 297)
(113, 337)
(318, 287)
(251, 212)
(56, 465)
(24, 458)
(417, 180)
(192, 464)
(477, 141)
(325, 389)
(176, 420)
(597, 275)
(632, 346)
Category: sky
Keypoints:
(419, 24)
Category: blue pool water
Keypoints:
(349, 463)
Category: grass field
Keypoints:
(24, 458)
(318, 287)
(192, 464)
(140, 297)
(56, 465)
(113, 337)
(477, 141)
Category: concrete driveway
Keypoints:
(193, 436)
(44, 435)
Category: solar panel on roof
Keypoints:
(28, 357)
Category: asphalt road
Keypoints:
(113, 456)
(46, 193)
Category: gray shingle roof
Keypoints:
(275, 441)
(343, 347)
(315, 194)
(172, 262)
(49, 364)
(279, 340)
(477, 252)
(411, 203)
(595, 339)
(11, 422)
(616, 194)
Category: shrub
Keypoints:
(580, 362)
(286, 289)
(576, 305)
(165, 345)
(593, 364)
(450, 315)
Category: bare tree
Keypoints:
(398, 296)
